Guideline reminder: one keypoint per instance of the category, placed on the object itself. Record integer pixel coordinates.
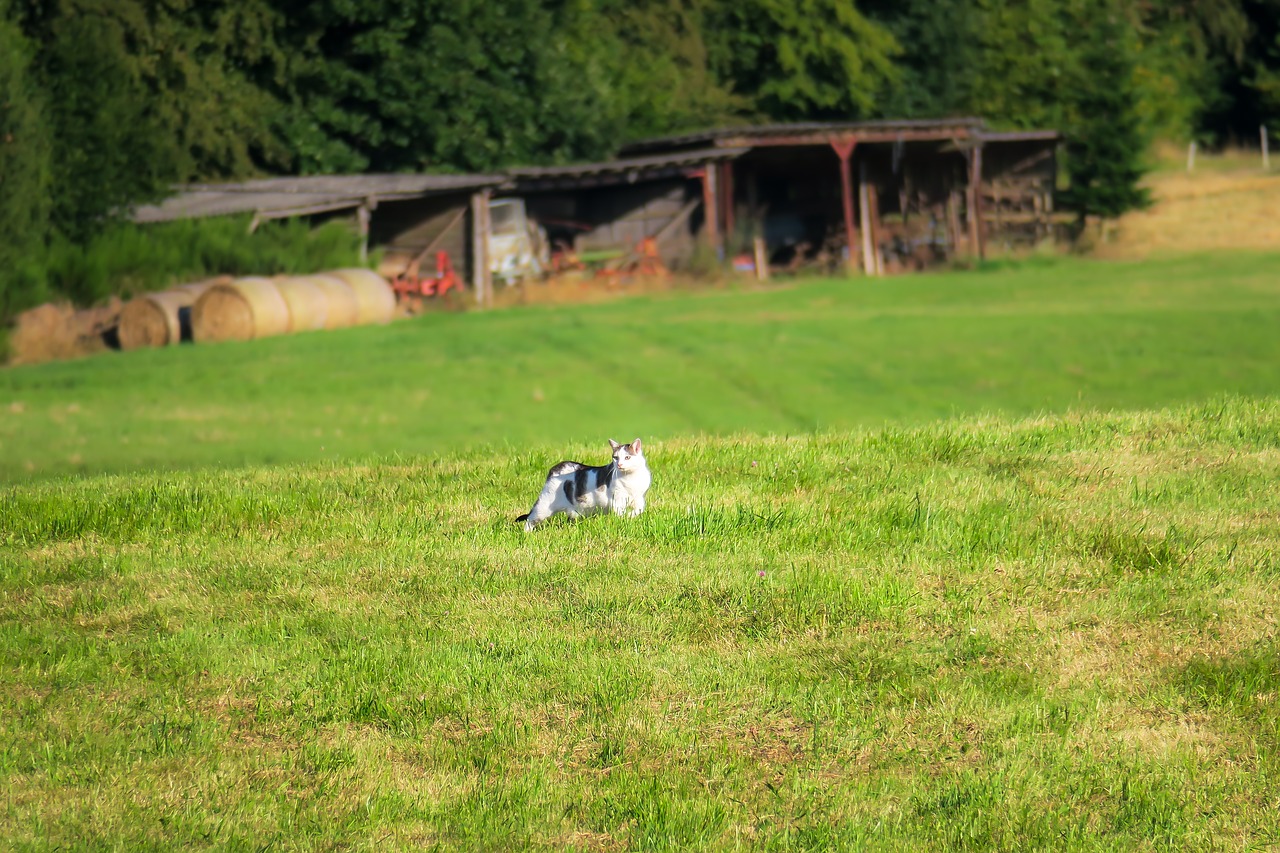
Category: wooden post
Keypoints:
(709, 207)
(975, 203)
(761, 259)
(844, 150)
(726, 196)
(953, 223)
(1266, 155)
(363, 213)
(873, 203)
(481, 282)
(1191, 157)
(869, 265)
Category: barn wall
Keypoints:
(404, 228)
(616, 217)
(1017, 192)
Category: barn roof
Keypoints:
(273, 198)
(649, 159)
(814, 132)
(621, 171)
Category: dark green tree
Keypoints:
(940, 41)
(24, 170)
(800, 59)
(392, 85)
(1106, 141)
(652, 58)
(108, 149)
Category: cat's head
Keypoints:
(627, 457)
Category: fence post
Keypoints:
(1266, 156)
(1191, 157)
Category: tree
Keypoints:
(1106, 142)
(652, 59)
(390, 85)
(800, 59)
(24, 169)
(940, 40)
(108, 150)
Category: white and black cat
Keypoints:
(577, 490)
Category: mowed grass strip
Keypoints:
(985, 634)
(1044, 336)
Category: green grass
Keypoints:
(1050, 633)
(817, 356)
(901, 583)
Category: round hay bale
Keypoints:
(307, 301)
(376, 299)
(342, 308)
(239, 310)
(155, 319)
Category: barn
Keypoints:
(877, 196)
(874, 195)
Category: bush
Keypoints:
(127, 259)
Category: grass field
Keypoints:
(980, 561)
(1225, 204)
(986, 634)
(1047, 336)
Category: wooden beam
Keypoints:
(481, 282)
(953, 223)
(711, 214)
(363, 212)
(873, 203)
(976, 237)
(869, 265)
(844, 150)
(679, 219)
(826, 137)
(726, 195)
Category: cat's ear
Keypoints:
(635, 446)
(613, 445)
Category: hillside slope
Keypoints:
(990, 634)
(1038, 337)
(1219, 208)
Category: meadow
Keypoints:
(980, 561)
(1050, 633)
(795, 358)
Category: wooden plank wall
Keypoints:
(405, 228)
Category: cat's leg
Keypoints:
(544, 507)
(617, 500)
(637, 505)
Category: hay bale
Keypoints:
(239, 310)
(376, 299)
(308, 303)
(55, 331)
(155, 319)
(342, 308)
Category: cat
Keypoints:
(577, 490)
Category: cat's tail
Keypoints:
(522, 517)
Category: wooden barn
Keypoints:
(401, 214)
(875, 195)
(879, 196)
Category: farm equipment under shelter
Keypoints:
(412, 288)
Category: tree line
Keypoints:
(105, 103)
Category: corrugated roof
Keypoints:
(272, 198)
(624, 170)
(739, 135)
(629, 164)
(1019, 135)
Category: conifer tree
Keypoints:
(1106, 143)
